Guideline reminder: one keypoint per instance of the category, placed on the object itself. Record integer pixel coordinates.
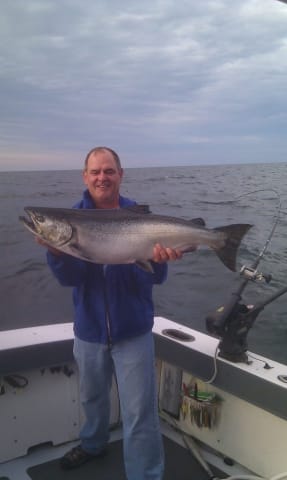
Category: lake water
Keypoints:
(197, 284)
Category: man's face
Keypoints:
(103, 178)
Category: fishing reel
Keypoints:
(252, 274)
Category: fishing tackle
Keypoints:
(252, 274)
(231, 322)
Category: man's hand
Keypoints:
(52, 250)
(161, 254)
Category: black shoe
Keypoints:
(77, 456)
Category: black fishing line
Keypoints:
(275, 223)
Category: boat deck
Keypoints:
(180, 464)
(42, 463)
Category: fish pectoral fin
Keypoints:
(146, 266)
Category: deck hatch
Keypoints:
(178, 335)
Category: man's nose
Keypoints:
(102, 175)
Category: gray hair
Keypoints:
(104, 149)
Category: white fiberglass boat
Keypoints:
(231, 417)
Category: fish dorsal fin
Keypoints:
(198, 221)
(139, 209)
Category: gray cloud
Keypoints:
(205, 79)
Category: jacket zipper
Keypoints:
(107, 309)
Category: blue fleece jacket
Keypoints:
(112, 303)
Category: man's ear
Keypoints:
(84, 175)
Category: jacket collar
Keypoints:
(89, 203)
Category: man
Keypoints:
(113, 334)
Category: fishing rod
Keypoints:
(232, 321)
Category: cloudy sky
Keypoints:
(163, 82)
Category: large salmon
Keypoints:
(128, 235)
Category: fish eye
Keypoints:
(40, 218)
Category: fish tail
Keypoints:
(234, 234)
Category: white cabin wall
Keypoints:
(46, 410)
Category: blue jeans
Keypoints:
(132, 361)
